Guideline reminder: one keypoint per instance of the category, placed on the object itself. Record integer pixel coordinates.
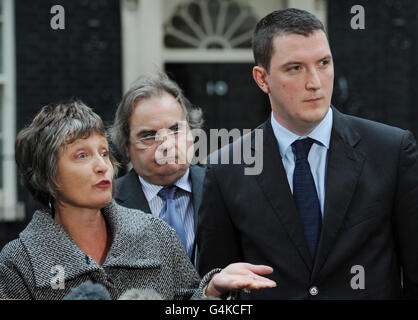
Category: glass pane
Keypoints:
(215, 25)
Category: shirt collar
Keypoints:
(321, 133)
(184, 182)
(151, 190)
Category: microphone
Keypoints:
(204, 298)
(141, 294)
(151, 294)
(88, 291)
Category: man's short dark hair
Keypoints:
(281, 22)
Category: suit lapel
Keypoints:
(343, 171)
(273, 181)
(129, 193)
(197, 174)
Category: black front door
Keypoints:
(226, 92)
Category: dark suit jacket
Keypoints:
(370, 217)
(129, 192)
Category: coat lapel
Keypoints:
(343, 171)
(197, 174)
(50, 247)
(273, 182)
(129, 192)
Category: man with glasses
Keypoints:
(152, 131)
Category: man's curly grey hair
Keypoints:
(146, 87)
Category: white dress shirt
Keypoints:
(317, 157)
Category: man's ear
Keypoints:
(260, 75)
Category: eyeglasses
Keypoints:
(155, 141)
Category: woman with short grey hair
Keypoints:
(37, 146)
(81, 234)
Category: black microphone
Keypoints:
(204, 298)
(141, 294)
(88, 291)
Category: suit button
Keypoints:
(313, 291)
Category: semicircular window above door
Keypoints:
(210, 24)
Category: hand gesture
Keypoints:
(238, 276)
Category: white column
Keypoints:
(12, 211)
(142, 36)
(316, 7)
(308, 5)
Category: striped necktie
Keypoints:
(169, 213)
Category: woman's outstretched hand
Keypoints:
(238, 276)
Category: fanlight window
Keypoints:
(210, 24)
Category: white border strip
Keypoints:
(9, 204)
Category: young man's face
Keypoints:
(300, 80)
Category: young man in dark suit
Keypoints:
(152, 130)
(335, 209)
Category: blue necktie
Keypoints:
(305, 195)
(169, 213)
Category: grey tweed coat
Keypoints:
(145, 253)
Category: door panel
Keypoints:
(227, 93)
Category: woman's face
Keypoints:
(85, 173)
